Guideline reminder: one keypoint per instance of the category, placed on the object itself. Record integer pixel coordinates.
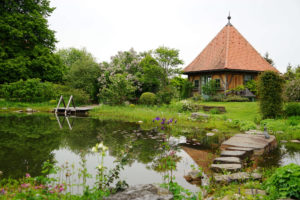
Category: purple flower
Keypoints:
(162, 128)
(171, 120)
(153, 120)
(164, 119)
(3, 191)
(157, 118)
(175, 121)
(162, 122)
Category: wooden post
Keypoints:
(67, 108)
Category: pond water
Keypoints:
(27, 141)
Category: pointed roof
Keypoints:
(229, 50)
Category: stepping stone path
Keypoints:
(226, 167)
(239, 176)
(240, 147)
(224, 160)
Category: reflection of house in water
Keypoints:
(203, 157)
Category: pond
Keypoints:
(27, 141)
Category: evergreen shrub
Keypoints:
(147, 98)
(270, 87)
(292, 109)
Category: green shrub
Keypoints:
(217, 97)
(80, 97)
(235, 98)
(292, 109)
(243, 125)
(284, 183)
(270, 86)
(197, 97)
(148, 98)
(31, 90)
(189, 106)
(210, 88)
(165, 95)
(252, 86)
(214, 111)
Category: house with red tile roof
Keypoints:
(229, 59)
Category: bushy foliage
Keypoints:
(80, 96)
(119, 90)
(270, 86)
(183, 86)
(292, 90)
(31, 90)
(235, 98)
(165, 95)
(243, 125)
(27, 43)
(148, 98)
(151, 75)
(252, 86)
(292, 109)
(82, 70)
(284, 183)
(210, 88)
(189, 106)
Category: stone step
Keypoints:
(239, 176)
(233, 153)
(221, 160)
(240, 148)
(226, 167)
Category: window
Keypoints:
(218, 83)
(196, 84)
(205, 79)
(247, 77)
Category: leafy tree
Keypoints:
(119, 90)
(268, 59)
(27, 44)
(168, 59)
(151, 75)
(125, 63)
(83, 70)
(183, 86)
(270, 87)
(292, 90)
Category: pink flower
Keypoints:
(28, 175)
(25, 185)
(61, 189)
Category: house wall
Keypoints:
(233, 79)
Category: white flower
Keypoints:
(104, 148)
(94, 149)
(100, 146)
(100, 167)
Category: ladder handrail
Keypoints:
(60, 99)
(67, 108)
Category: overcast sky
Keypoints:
(105, 27)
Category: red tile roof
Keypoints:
(229, 50)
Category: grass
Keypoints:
(237, 110)
(14, 106)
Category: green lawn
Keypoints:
(237, 110)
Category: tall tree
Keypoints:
(82, 70)
(27, 43)
(268, 59)
(168, 59)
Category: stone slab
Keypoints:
(233, 153)
(226, 167)
(254, 192)
(257, 142)
(142, 192)
(240, 176)
(227, 160)
(239, 149)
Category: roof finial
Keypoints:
(229, 17)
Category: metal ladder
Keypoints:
(66, 108)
